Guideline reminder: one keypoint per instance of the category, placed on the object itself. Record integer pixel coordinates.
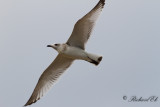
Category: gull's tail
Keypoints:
(94, 59)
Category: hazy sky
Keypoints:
(127, 35)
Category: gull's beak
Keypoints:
(52, 46)
(49, 46)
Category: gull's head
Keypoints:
(58, 47)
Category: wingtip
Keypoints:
(27, 104)
(103, 2)
(30, 102)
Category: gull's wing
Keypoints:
(49, 76)
(83, 28)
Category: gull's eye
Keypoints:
(56, 44)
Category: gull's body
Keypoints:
(72, 50)
(76, 53)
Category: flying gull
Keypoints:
(73, 49)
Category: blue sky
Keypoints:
(127, 35)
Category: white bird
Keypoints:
(73, 49)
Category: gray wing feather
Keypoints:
(84, 26)
(49, 76)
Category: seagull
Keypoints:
(73, 49)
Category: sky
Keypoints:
(127, 35)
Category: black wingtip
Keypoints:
(29, 103)
(102, 1)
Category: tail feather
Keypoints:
(96, 62)
(100, 58)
